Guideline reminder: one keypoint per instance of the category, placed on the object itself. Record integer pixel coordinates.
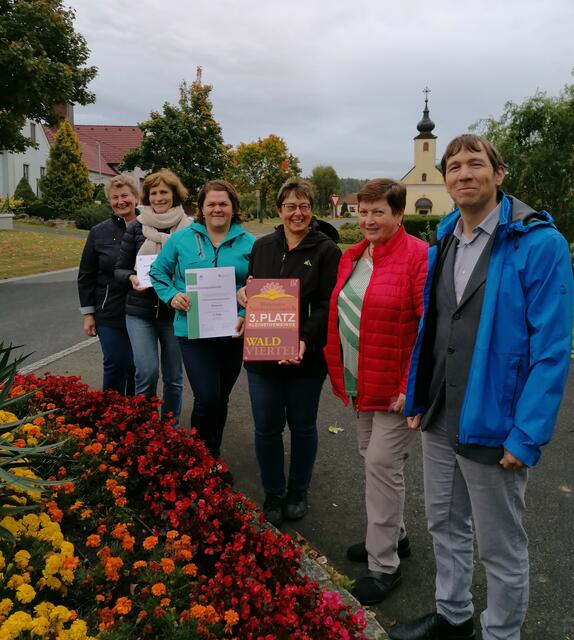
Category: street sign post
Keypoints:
(335, 200)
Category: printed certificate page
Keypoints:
(213, 311)
(143, 265)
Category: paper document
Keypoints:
(143, 265)
(213, 311)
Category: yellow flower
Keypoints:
(6, 417)
(15, 581)
(5, 606)
(2, 562)
(25, 593)
(21, 558)
(41, 626)
(12, 627)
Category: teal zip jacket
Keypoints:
(522, 351)
(191, 248)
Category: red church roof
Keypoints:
(114, 143)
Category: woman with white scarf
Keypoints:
(149, 321)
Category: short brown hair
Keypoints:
(121, 181)
(393, 192)
(472, 142)
(180, 193)
(302, 189)
(218, 185)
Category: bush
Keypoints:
(24, 192)
(100, 194)
(421, 226)
(87, 217)
(41, 210)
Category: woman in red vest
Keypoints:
(373, 318)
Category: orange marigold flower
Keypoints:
(158, 589)
(172, 534)
(54, 511)
(119, 531)
(76, 505)
(128, 543)
(164, 602)
(86, 513)
(39, 421)
(139, 564)
(150, 542)
(167, 565)
(121, 502)
(123, 606)
(102, 467)
(111, 568)
(231, 618)
(73, 615)
(190, 570)
(142, 615)
(100, 597)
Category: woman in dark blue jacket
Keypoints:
(102, 299)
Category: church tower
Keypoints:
(426, 192)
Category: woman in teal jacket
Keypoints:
(215, 239)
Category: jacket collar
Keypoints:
(234, 230)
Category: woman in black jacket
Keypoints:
(150, 321)
(289, 391)
(102, 299)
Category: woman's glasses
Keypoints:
(291, 208)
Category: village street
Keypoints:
(42, 313)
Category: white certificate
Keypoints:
(213, 311)
(143, 265)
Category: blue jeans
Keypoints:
(145, 335)
(212, 367)
(118, 359)
(274, 401)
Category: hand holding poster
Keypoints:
(271, 319)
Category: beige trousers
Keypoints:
(384, 442)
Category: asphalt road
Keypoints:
(42, 312)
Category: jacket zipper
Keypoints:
(106, 296)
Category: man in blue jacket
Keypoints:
(487, 375)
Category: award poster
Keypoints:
(271, 319)
(213, 311)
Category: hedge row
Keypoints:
(420, 226)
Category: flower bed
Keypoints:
(142, 538)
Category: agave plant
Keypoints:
(11, 457)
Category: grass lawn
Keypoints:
(44, 228)
(24, 253)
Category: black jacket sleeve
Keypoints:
(125, 264)
(314, 329)
(88, 276)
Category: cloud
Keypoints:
(340, 82)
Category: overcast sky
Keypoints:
(340, 81)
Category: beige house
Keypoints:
(426, 193)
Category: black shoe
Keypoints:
(358, 552)
(273, 509)
(433, 627)
(376, 586)
(295, 504)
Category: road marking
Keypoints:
(37, 275)
(56, 356)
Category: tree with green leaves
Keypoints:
(185, 138)
(265, 165)
(66, 186)
(536, 140)
(24, 192)
(326, 182)
(42, 64)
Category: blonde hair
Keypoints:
(179, 191)
(121, 181)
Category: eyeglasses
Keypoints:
(378, 213)
(291, 208)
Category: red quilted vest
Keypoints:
(392, 307)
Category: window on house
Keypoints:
(425, 146)
(424, 177)
(42, 172)
(33, 132)
(26, 171)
